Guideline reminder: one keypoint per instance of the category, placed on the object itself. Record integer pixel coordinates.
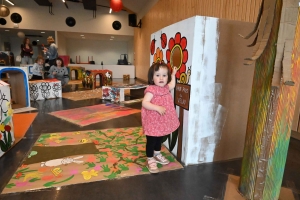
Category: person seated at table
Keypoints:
(59, 71)
(37, 69)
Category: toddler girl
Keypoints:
(159, 117)
(37, 69)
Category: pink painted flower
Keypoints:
(21, 184)
(74, 172)
(98, 168)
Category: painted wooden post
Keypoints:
(270, 115)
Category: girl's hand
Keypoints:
(161, 110)
(174, 70)
(54, 73)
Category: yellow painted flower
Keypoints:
(56, 171)
(32, 175)
(87, 175)
(8, 103)
(77, 133)
(83, 140)
(2, 127)
(54, 136)
(10, 111)
(57, 141)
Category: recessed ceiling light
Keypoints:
(42, 32)
(37, 40)
(81, 35)
(6, 30)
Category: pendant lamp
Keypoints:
(4, 11)
(116, 5)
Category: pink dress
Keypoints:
(153, 123)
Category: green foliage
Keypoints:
(10, 185)
(128, 160)
(90, 165)
(34, 179)
(145, 169)
(112, 175)
(123, 167)
(170, 158)
(105, 168)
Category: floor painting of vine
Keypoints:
(59, 159)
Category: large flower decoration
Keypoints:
(45, 87)
(33, 88)
(177, 54)
(158, 56)
(56, 87)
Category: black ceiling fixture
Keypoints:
(16, 18)
(29, 35)
(34, 43)
(2, 21)
(70, 21)
(45, 3)
(116, 25)
(90, 5)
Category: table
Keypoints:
(116, 91)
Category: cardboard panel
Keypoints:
(236, 80)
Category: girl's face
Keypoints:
(160, 77)
(40, 61)
(58, 62)
(27, 41)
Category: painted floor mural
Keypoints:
(93, 114)
(60, 159)
(83, 95)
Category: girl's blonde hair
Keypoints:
(39, 58)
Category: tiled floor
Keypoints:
(204, 181)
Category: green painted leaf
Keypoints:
(112, 175)
(103, 153)
(128, 160)
(159, 165)
(145, 169)
(34, 179)
(118, 155)
(105, 168)
(3, 146)
(102, 159)
(49, 184)
(108, 146)
(123, 167)
(170, 158)
(9, 140)
(10, 185)
(142, 160)
(7, 120)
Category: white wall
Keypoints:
(106, 51)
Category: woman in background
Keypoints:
(26, 52)
(51, 52)
(59, 71)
